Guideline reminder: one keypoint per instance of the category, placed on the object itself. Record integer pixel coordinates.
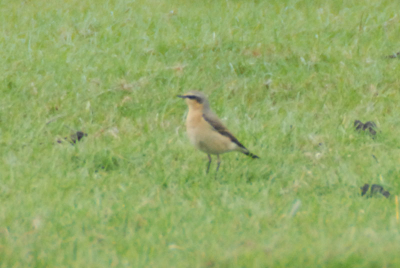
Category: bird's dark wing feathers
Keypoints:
(218, 126)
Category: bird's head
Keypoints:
(195, 99)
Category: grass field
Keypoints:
(287, 77)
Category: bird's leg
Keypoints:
(209, 163)
(219, 162)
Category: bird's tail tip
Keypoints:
(252, 155)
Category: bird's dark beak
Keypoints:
(181, 96)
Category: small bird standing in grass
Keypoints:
(206, 132)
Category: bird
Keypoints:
(206, 131)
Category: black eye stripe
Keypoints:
(196, 98)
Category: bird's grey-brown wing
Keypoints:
(218, 126)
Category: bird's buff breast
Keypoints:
(208, 140)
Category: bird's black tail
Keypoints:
(245, 151)
(251, 155)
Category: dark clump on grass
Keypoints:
(74, 137)
(364, 189)
(370, 126)
(375, 189)
(393, 56)
(386, 194)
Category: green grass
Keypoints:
(134, 193)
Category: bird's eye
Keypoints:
(192, 97)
